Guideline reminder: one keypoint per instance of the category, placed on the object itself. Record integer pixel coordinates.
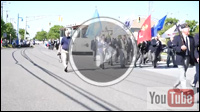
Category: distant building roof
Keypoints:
(136, 24)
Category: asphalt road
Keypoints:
(33, 79)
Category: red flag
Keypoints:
(145, 33)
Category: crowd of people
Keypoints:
(16, 43)
(123, 47)
(111, 49)
(183, 49)
(52, 43)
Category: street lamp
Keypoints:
(25, 28)
(18, 28)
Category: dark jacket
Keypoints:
(94, 45)
(156, 48)
(196, 41)
(170, 46)
(118, 43)
(65, 42)
(180, 54)
(113, 41)
(129, 45)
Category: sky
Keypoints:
(76, 12)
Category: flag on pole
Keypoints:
(145, 33)
(95, 27)
(127, 23)
(158, 27)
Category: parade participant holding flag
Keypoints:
(156, 45)
(144, 34)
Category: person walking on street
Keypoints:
(129, 49)
(184, 48)
(170, 52)
(196, 54)
(109, 49)
(94, 47)
(116, 45)
(57, 44)
(43, 41)
(101, 51)
(156, 48)
(65, 44)
(122, 51)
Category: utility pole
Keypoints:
(2, 3)
(25, 28)
(2, 9)
(149, 6)
(18, 28)
(34, 18)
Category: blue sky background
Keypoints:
(80, 11)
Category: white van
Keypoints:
(81, 43)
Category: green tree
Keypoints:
(41, 35)
(196, 29)
(169, 22)
(192, 24)
(54, 32)
(3, 27)
(10, 31)
(21, 33)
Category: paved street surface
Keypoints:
(34, 79)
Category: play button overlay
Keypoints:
(101, 52)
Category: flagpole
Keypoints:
(149, 11)
(149, 8)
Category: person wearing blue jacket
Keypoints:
(65, 44)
